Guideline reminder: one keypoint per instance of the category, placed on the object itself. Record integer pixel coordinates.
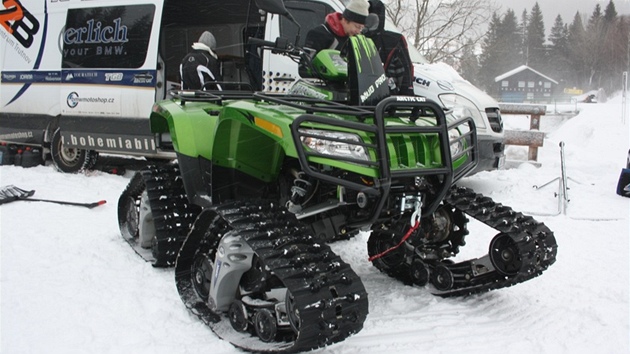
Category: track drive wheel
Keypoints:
(393, 263)
(505, 255)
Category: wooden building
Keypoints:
(525, 84)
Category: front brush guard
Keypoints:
(380, 130)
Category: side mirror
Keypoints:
(277, 7)
(272, 6)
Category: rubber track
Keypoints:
(173, 215)
(535, 242)
(331, 298)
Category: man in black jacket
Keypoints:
(394, 53)
(201, 65)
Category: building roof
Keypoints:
(518, 70)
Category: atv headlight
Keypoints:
(334, 143)
(462, 108)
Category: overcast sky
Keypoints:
(565, 8)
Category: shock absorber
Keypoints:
(299, 191)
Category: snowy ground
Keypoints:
(70, 284)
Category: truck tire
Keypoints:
(70, 160)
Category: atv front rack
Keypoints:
(316, 105)
(389, 107)
(231, 91)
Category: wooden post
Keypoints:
(535, 112)
(534, 124)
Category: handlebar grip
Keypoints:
(260, 42)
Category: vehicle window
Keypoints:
(107, 37)
(307, 14)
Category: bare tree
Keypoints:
(441, 29)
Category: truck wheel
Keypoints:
(70, 160)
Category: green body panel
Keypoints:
(191, 126)
(228, 135)
(245, 142)
(253, 148)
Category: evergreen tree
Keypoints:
(535, 45)
(469, 64)
(523, 41)
(593, 51)
(595, 18)
(500, 50)
(489, 57)
(559, 56)
(509, 41)
(559, 37)
(577, 43)
(610, 14)
(614, 58)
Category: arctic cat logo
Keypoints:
(410, 99)
(19, 22)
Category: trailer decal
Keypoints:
(110, 36)
(19, 22)
(17, 135)
(110, 142)
(142, 78)
(91, 103)
(10, 13)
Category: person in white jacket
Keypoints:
(201, 65)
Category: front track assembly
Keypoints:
(522, 249)
(295, 293)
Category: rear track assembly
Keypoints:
(164, 211)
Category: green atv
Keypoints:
(262, 182)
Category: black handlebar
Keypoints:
(284, 47)
(261, 42)
(281, 45)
